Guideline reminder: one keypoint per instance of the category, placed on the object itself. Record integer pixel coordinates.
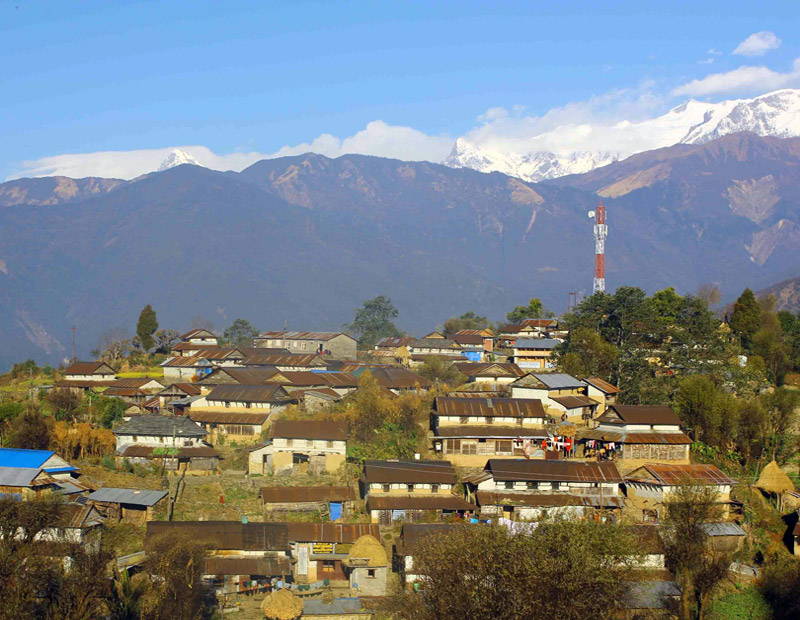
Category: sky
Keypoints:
(107, 89)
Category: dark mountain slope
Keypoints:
(54, 190)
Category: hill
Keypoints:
(787, 294)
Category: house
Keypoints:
(508, 335)
(25, 474)
(433, 346)
(89, 371)
(342, 383)
(320, 550)
(241, 557)
(601, 391)
(189, 349)
(413, 536)
(77, 524)
(467, 430)
(186, 367)
(474, 346)
(238, 412)
(132, 505)
(553, 389)
(397, 380)
(528, 489)
(495, 373)
(534, 353)
(199, 336)
(307, 445)
(332, 344)
(647, 432)
(175, 442)
(393, 343)
(176, 391)
(242, 376)
(725, 537)
(335, 501)
(284, 361)
(367, 566)
(649, 486)
(410, 491)
(133, 390)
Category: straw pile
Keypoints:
(774, 480)
(368, 548)
(282, 605)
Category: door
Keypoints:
(336, 511)
(302, 560)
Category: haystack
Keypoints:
(566, 429)
(367, 551)
(282, 605)
(774, 480)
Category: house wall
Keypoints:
(439, 420)
(656, 452)
(157, 441)
(402, 489)
(369, 586)
(181, 371)
(108, 377)
(609, 489)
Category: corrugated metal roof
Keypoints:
(275, 566)
(723, 529)
(244, 376)
(540, 322)
(338, 607)
(331, 532)
(247, 393)
(489, 407)
(418, 502)
(558, 380)
(575, 402)
(671, 475)
(228, 417)
(187, 362)
(603, 386)
(160, 426)
(486, 369)
(469, 339)
(227, 535)
(395, 341)
(198, 332)
(309, 378)
(89, 368)
(189, 389)
(407, 472)
(502, 432)
(18, 476)
(302, 335)
(136, 497)
(134, 382)
(291, 360)
(552, 471)
(640, 414)
(281, 495)
(537, 344)
(650, 594)
(397, 378)
(17, 457)
(657, 438)
(330, 430)
(433, 343)
(128, 392)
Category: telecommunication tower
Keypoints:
(600, 234)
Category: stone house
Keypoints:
(551, 389)
(527, 489)
(368, 566)
(534, 353)
(468, 430)
(307, 445)
(433, 346)
(643, 432)
(336, 345)
(320, 550)
(175, 441)
(131, 505)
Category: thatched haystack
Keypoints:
(367, 551)
(774, 481)
(566, 429)
(282, 605)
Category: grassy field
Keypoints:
(744, 603)
(154, 371)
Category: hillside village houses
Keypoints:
(337, 345)
(312, 446)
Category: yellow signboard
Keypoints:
(322, 548)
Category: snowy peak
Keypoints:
(177, 157)
(692, 122)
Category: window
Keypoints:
(469, 447)
(329, 444)
(489, 420)
(247, 405)
(227, 404)
(387, 488)
(288, 443)
(370, 573)
(135, 438)
(556, 486)
(328, 566)
(161, 439)
(533, 485)
(302, 346)
(509, 485)
(463, 419)
(410, 488)
(434, 488)
(503, 446)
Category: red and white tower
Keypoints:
(600, 234)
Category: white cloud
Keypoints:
(740, 80)
(707, 61)
(377, 138)
(758, 44)
(714, 52)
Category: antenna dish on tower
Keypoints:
(590, 214)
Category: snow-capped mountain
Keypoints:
(693, 122)
(176, 158)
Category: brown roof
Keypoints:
(603, 386)
(190, 389)
(477, 393)
(248, 393)
(574, 402)
(302, 335)
(539, 323)
(555, 471)
(134, 382)
(192, 333)
(489, 430)
(398, 378)
(414, 533)
(418, 502)
(331, 532)
(290, 495)
(660, 438)
(227, 535)
(508, 498)
(671, 475)
(395, 342)
(147, 452)
(468, 339)
(330, 430)
(228, 417)
(245, 376)
(489, 407)
(275, 566)
(407, 472)
(640, 414)
(309, 378)
(186, 362)
(123, 391)
(494, 369)
(291, 360)
(89, 368)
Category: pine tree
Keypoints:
(146, 327)
(746, 317)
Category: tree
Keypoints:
(146, 327)
(586, 354)
(780, 412)
(468, 320)
(240, 334)
(31, 432)
(534, 310)
(435, 369)
(696, 402)
(65, 403)
(164, 338)
(559, 570)
(373, 322)
(746, 317)
(687, 549)
(709, 293)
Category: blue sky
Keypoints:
(259, 77)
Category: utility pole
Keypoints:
(73, 344)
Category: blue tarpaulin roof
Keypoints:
(12, 457)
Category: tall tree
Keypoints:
(534, 310)
(468, 320)
(146, 327)
(373, 322)
(164, 339)
(240, 333)
(746, 317)
(696, 401)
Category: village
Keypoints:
(251, 450)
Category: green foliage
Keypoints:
(390, 441)
(468, 320)
(110, 410)
(534, 310)
(31, 431)
(23, 370)
(435, 369)
(746, 317)
(146, 327)
(779, 586)
(373, 322)
(240, 333)
(587, 354)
